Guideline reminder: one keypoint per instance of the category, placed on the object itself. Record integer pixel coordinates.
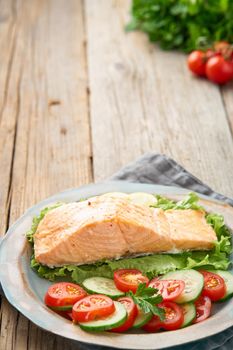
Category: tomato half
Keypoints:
(63, 295)
(174, 318)
(214, 285)
(132, 312)
(197, 62)
(126, 279)
(203, 308)
(219, 70)
(92, 307)
(169, 289)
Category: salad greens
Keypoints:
(151, 265)
(183, 24)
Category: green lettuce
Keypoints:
(152, 265)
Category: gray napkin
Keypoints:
(159, 169)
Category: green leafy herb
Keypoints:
(190, 202)
(147, 299)
(183, 24)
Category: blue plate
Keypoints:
(25, 290)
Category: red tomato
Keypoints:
(174, 318)
(222, 47)
(153, 325)
(197, 62)
(126, 279)
(132, 312)
(214, 286)
(219, 70)
(64, 314)
(169, 289)
(63, 295)
(203, 308)
(92, 307)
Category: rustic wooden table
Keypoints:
(79, 98)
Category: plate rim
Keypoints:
(164, 189)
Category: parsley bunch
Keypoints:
(183, 24)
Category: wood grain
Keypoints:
(143, 99)
(8, 105)
(228, 102)
(46, 95)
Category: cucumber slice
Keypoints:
(189, 311)
(194, 282)
(114, 320)
(142, 198)
(142, 318)
(228, 278)
(102, 285)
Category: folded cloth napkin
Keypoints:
(161, 170)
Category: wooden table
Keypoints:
(79, 98)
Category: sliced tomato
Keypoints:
(63, 295)
(154, 325)
(174, 318)
(214, 285)
(65, 314)
(126, 279)
(132, 312)
(169, 289)
(92, 307)
(203, 308)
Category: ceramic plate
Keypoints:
(25, 290)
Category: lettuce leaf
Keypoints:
(152, 265)
(190, 202)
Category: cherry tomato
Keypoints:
(219, 70)
(214, 285)
(203, 308)
(174, 318)
(169, 289)
(92, 307)
(63, 295)
(132, 312)
(222, 47)
(197, 62)
(126, 279)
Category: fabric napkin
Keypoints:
(159, 169)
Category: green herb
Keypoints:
(183, 24)
(190, 202)
(147, 299)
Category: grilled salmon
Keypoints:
(108, 227)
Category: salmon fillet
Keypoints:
(110, 228)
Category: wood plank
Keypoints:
(143, 99)
(228, 102)
(48, 85)
(8, 106)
